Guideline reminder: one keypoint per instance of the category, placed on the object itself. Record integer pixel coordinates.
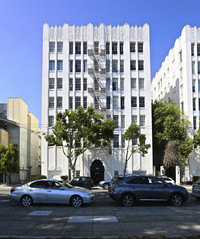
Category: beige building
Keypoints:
(19, 126)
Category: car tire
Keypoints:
(176, 199)
(128, 200)
(76, 201)
(105, 186)
(26, 200)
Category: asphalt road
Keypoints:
(104, 218)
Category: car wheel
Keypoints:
(128, 200)
(176, 199)
(76, 201)
(106, 186)
(26, 201)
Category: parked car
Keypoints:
(82, 181)
(166, 179)
(196, 190)
(130, 189)
(105, 184)
(50, 191)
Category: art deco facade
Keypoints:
(108, 67)
(178, 79)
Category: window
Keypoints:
(59, 47)
(133, 65)
(199, 104)
(133, 83)
(132, 46)
(107, 83)
(116, 119)
(138, 180)
(123, 121)
(51, 121)
(122, 141)
(51, 102)
(96, 102)
(96, 84)
(122, 84)
(141, 83)
(114, 48)
(193, 67)
(85, 84)
(59, 65)
(70, 102)
(195, 122)
(116, 173)
(84, 66)
(121, 48)
(122, 103)
(198, 49)
(59, 83)
(116, 141)
(77, 102)
(142, 120)
(134, 119)
(141, 101)
(193, 85)
(52, 65)
(194, 104)
(107, 48)
(51, 46)
(121, 65)
(115, 84)
(133, 101)
(96, 47)
(70, 84)
(78, 48)
(107, 65)
(78, 66)
(192, 49)
(114, 66)
(84, 48)
(70, 47)
(78, 84)
(77, 173)
(108, 102)
(85, 102)
(70, 66)
(134, 141)
(115, 102)
(140, 65)
(59, 102)
(180, 56)
(198, 67)
(140, 46)
(51, 83)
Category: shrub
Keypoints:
(41, 177)
(64, 177)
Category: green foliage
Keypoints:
(41, 177)
(133, 132)
(9, 159)
(80, 130)
(64, 177)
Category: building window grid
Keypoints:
(52, 65)
(107, 48)
(59, 47)
(84, 83)
(194, 104)
(140, 65)
(116, 141)
(59, 102)
(142, 120)
(51, 83)
(85, 66)
(132, 46)
(52, 47)
(77, 101)
(121, 65)
(133, 83)
(84, 48)
(115, 84)
(114, 48)
(192, 49)
(51, 102)
(116, 119)
(77, 84)
(133, 101)
(59, 83)
(115, 102)
(133, 65)
(70, 102)
(122, 84)
(122, 103)
(198, 49)
(123, 121)
(71, 66)
(59, 65)
(77, 65)
(140, 46)
(121, 46)
(141, 101)
(108, 102)
(70, 48)
(85, 102)
(50, 121)
(141, 83)
(71, 84)
(115, 66)
(78, 48)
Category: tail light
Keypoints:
(12, 190)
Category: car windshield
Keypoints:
(67, 185)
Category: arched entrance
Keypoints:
(97, 171)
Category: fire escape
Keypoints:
(97, 71)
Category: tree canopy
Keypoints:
(80, 130)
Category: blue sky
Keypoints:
(21, 24)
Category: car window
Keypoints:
(155, 181)
(53, 185)
(138, 180)
(197, 182)
(75, 179)
(40, 184)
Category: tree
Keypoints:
(9, 160)
(80, 130)
(133, 133)
(172, 145)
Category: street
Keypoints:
(104, 217)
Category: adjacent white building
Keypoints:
(178, 79)
(108, 67)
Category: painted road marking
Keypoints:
(78, 219)
(40, 213)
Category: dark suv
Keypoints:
(82, 181)
(130, 189)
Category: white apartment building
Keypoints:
(108, 67)
(178, 79)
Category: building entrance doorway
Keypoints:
(97, 171)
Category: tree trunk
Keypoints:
(73, 170)
(9, 177)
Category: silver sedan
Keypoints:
(50, 191)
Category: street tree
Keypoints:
(131, 134)
(79, 130)
(9, 160)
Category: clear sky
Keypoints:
(21, 25)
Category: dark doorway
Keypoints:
(171, 172)
(97, 171)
